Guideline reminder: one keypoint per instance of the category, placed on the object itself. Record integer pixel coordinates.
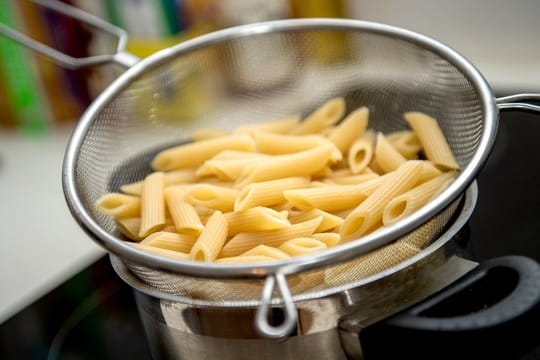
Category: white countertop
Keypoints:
(40, 243)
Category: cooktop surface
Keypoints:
(93, 314)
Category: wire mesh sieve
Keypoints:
(225, 80)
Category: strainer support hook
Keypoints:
(290, 316)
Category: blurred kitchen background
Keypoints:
(40, 102)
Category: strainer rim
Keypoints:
(340, 253)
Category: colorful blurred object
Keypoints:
(36, 94)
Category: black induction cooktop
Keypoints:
(93, 314)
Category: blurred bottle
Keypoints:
(22, 89)
(328, 46)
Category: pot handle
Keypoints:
(290, 316)
(491, 312)
(515, 102)
(120, 57)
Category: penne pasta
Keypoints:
(184, 216)
(277, 144)
(410, 201)
(350, 129)
(330, 239)
(205, 134)
(210, 242)
(184, 176)
(282, 188)
(119, 205)
(244, 259)
(388, 158)
(333, 197)
(211, 196)
(301, 246)
(242, 242)
(256, 219)
(152, 204)
(267, 251)
(329, 221)
(159, 251)
(129, 227)
(267, 193)
(369, 213)
(323, 117)
(351, 180)
(432, 139)
(360, 155)
(283, 166)
(236, 154)
(170, 241)
(406, 142)
(194, 154)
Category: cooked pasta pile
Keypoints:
(282, 188)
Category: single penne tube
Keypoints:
(301, 246)
(388, 158)
(183, 176)
(267, 251)
(267, 193)
(245, 241)
(305, 163)
(350, 129)
(256, 219)
(211, 196)
(432, 139)
(129, 227)
(410, 201)
(278, 144)
(244, 259)
(353, 179)
(210, 242)
(329, 238)
(152, 204)
(429, 171)
(406, 142)
(205, 134)
(333, 197)
(226, 169)
(369, 213)
(183, 214)
(236, 154)
(360, 155)
(160, 251)
(170, 241)
(329, 221)
(119, 205)
(323, 117)
(278, 126)
(194, 154)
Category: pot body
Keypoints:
(327, 327)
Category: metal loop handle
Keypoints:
(120, 57)
(290, 317)
(514, 102)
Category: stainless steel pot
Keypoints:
(347, 323)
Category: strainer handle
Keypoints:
(516, 102)
(120, 57)
(290, 316)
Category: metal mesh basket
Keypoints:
(259, 72)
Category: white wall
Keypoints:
(499, 36)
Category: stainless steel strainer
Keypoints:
(259, 72)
